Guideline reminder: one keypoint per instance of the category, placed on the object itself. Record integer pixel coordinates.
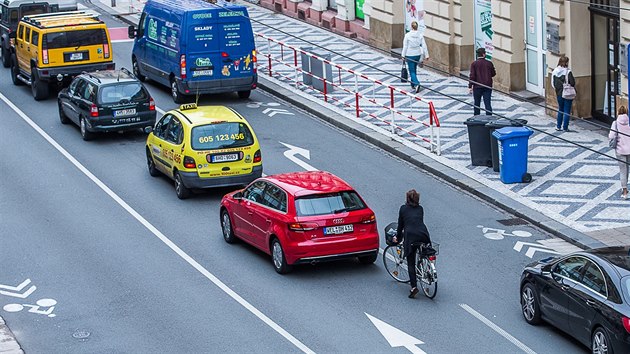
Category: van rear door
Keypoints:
(203, 58)
(237, 46)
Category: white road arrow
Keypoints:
(396, 337)
(273, 111)
(18, 289)
(533, 248)
(293, 151)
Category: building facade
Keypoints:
(524, 38)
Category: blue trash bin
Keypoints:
(513, 154)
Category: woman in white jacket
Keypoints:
(620, 130)
(414, 51)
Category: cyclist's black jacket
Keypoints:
(411, 226)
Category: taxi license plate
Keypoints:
(336, 230)
(225, 158)
(124, 112)
(76, 56)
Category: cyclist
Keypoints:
(412, 229)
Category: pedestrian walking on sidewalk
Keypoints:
(412, 229)
(620, 130)
(480, 85)
(560, 76)
(415, 52)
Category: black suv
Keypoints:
(105, 101)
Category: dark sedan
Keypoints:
(105, 101)
(586, 294)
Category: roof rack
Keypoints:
(42, 19)
(126, 71)
(92, 76)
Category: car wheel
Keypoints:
(175, 93)
(6, 57)
(40, 88)
(153, 171)
(279, 260)
(180, 188)
(244, 94)
(62, 116)
(529, 304)
(15, 71)
(369, 259)
(600, 344)
(85, 133)
(226, 226)
(136, 70)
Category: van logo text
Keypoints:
(203, 62)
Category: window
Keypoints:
(131, 91)
(20, 32)
(140, 30)
(35, 38)
(73, 86)
(88, 92)
(14, 17)
(571, 268)
(255, 192)
(594, 279)
(320, 204)
(175, 131)
(76, 39)
(80, 88)
(27, 38)
(161, 127)
(221, 136)
(275, 198)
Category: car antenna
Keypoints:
(197, 95)
(118, 78)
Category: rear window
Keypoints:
(321, 204)
(221, 136)
(75, 39)
(132, 91)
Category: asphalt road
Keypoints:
(116, 286)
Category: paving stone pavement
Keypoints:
(574, 179)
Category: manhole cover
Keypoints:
(513, 222)
(80, 334)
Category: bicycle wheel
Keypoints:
(428, 277)
(395, 263)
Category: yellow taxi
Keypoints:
(203, 147)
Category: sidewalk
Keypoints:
(574, 194)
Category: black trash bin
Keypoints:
(479, 140)
(494, 143)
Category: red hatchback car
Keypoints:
(301, 217)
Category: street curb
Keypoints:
(433, 167)
(8, 343)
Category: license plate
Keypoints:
(76, 56)
(225, 158)
(202, 73)
(125, 112)
(336, 230)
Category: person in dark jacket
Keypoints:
(559, 76)
(480, 85)
(412, 229)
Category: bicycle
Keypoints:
(396, 265)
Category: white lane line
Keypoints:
(497, 329)
(268, 321)
(121, 40)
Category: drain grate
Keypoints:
(513, 222)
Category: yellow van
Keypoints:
(53, 48)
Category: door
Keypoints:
(535, 46)
(172, 145)
(268, 214)
(587, 299)
(70, 106)
(606, 82)
(157, 143)
(139, 49)
(20, 50)
(252, 200)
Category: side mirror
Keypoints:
(148, 129)
(132, 32)
(238, 195)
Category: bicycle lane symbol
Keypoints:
(42, 303)
(499, 234)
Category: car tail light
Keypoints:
(303, 226)
(189, 162)
(182, 66)
(93, 110)
(257, 156)
(368, 219)
(626, 323)
(255, 61)
(105, 44)
(45, 49)
(224, 54)
(433, 258)
(151, 104)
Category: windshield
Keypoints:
(131, 91)
(75, 39)
(321, 204)
(221, 136)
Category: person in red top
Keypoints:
(480, 85)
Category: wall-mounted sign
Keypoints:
(414, 11)
(483, 27)
(553, 38)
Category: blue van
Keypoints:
(195, 47)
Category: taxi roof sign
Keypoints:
(188, 106)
